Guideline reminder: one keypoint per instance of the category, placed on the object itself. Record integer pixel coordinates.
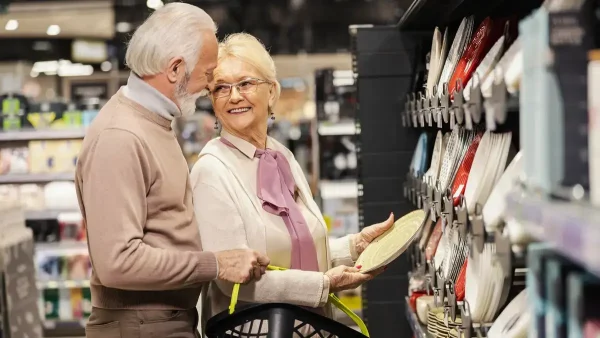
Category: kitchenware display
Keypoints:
(462, 37)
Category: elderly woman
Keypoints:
(250, 192)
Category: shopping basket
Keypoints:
(280, 321)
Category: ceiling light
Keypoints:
(11, 25)
(123, 27)
(106, 66)
(53, 30)
(154, 4)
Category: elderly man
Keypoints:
(134, 191)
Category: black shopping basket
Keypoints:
(280, 320)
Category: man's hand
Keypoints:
(347, 278)
(368, 234)
(241, 265)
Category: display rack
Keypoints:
(46, 222)
(392, 114)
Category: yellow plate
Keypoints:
(389, 246)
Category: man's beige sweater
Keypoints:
(135, 195)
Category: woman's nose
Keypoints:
(235, 95)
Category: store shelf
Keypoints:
(570, 227)
(418, 329)
(32, 135)
(47, 214)
(62, 248)
(337, 129)
(63, 284)
(35, 178)
(64, 328)
(339, 189)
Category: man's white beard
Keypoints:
(187, 101)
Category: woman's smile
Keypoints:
(239, 110)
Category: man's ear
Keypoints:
(175, 68)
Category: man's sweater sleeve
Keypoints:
(116, 177)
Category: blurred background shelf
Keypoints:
(33, 134)
(571, 228)
(35, 178)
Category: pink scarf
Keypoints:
(276, 188)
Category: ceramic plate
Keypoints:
(455, 52)
(475, 51)
(497, 74)
(485, 67)
(494, 208)
(434, 61)
(389, 246)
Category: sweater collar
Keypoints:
(148, 97)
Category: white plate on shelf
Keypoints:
(485, 67)
(514, 320)
(494, 208)
(434, 61)
(497, 74)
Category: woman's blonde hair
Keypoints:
(250, 50)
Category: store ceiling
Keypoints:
(285, 26)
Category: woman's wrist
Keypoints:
(354, 249)
(325, 290)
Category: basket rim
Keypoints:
(223, 319)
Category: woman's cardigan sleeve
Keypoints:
(222, 228)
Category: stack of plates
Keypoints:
(514, 320)
(484, 285)
(459, 44)
(436, 325)
(450, 245)
(495, 207)
(458, 144)
(462, 175)
(456, 254)
(488, 166)
(433, 172)
(437, 58)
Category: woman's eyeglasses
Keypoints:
(243, 87)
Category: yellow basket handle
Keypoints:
(332, 298)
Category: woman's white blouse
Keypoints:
(230, 216)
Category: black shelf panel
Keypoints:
(383, 61)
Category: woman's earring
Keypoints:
(216, 124)
(272, 116)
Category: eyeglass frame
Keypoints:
(232, 85)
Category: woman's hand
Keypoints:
(348, 278)
(368, 234)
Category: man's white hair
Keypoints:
(175, 30)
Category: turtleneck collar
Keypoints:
(150, 98)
